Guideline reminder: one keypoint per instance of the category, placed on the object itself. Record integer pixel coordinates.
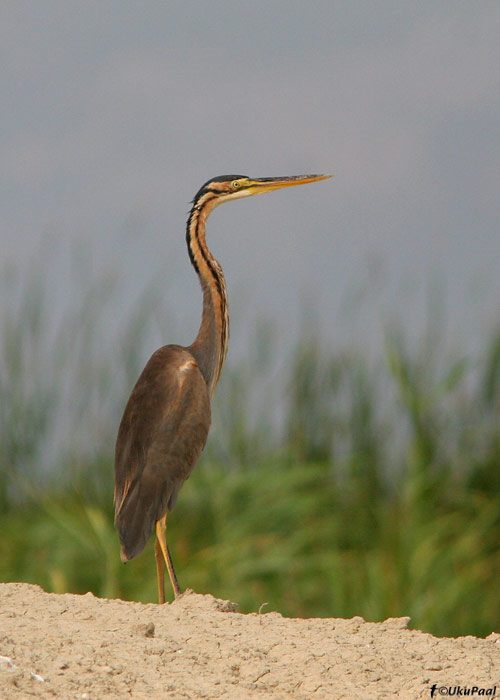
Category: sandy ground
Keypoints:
(69, 646)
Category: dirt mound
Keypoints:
(70, 646)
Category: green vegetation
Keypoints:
(378, 495)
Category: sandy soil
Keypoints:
(69, 646)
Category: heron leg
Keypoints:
(161, 531)
(160, 571)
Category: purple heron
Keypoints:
(166, 420)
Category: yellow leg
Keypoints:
(160, 571)
(161, 531)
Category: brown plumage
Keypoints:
(167, 418)
(166, 422)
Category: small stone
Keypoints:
(227, 606)
(36, 677)
(147, 629)
(397, 623)
(6, 664)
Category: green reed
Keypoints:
(375, 494)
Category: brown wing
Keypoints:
(162, 433)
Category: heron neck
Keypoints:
(210, 346)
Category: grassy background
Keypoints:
(374, 494)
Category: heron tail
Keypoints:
(135, 519)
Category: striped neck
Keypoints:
(210, 347)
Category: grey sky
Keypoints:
(114, 113)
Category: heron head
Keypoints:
(226, 187)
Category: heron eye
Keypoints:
(235, 184)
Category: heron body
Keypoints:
(167, 417)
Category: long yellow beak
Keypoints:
(267, 184)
